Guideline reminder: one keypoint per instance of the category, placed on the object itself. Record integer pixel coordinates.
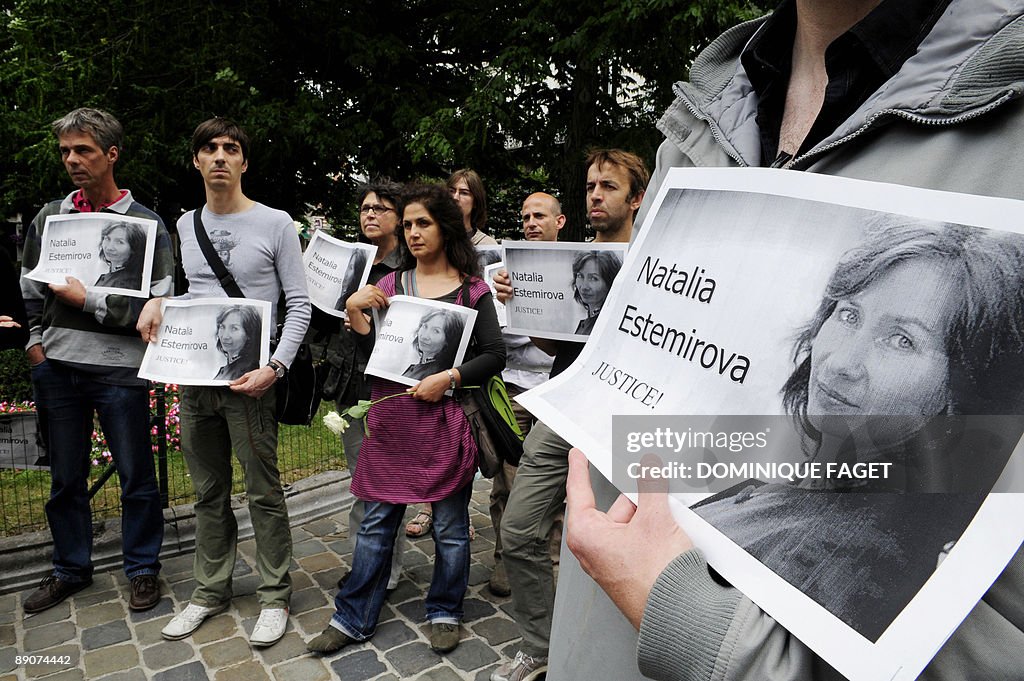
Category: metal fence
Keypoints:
(302, 451)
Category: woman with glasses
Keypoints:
(380, 204)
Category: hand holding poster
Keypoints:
(208, 341)
(417, 338)
(335, 270)
(105, 251)
(881, 326)
(559, 288)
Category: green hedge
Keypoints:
(15, 380)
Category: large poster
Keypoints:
(335, 270)
(208, 341)
(105, 251)
(417, 338)
(559, 288)
(831, 373)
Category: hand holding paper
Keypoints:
(625, 549)
(503, 285)
(367, 297)
(431, 388)
(71, 294)
(254, 383)
(149, 320)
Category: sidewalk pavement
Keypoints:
(93, 635)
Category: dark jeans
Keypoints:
(70, 397)
(359, 602)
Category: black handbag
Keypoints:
(298, 396)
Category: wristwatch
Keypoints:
(280, 370)
(451, 379)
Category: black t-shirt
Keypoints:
(858, 63)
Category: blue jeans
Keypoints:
(70, 397)
(359, 602)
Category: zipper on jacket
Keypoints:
(716, 132)
(1011, 93)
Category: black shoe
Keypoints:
(330, 641)
(52, 590)
(145, 592)
(444, 637)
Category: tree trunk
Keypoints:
(572, 176)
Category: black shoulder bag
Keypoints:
(297, 396)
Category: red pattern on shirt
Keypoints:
(83, 205)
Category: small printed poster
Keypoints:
(559, 288)
(20, 445)
(499, 307)
(105, 251)
(335, 270)
(209, 341)
(417, 338)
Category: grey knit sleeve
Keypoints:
(695, 628)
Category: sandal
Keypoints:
(420, 525)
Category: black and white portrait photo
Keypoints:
(335, 269)
(208, 341)
(418, 337)
(436, 342)
(105, 251)
(123, 248)
(593, 273)
(559, 287)
(488, 254)
(355, 276)
(238, 339)
(917, 331)
(881, 327)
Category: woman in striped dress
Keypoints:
(420, 447)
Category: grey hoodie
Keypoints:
(951, 119)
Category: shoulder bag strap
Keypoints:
(227, 281)
(464, 295)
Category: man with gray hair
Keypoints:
(85, 357)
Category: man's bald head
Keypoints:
(542, 217)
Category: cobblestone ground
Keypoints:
(93, 635)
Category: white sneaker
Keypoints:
(269, 627)
(188, 620)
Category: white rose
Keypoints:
(335, 423)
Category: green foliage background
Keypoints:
(333, 92)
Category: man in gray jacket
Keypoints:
(917, 93)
